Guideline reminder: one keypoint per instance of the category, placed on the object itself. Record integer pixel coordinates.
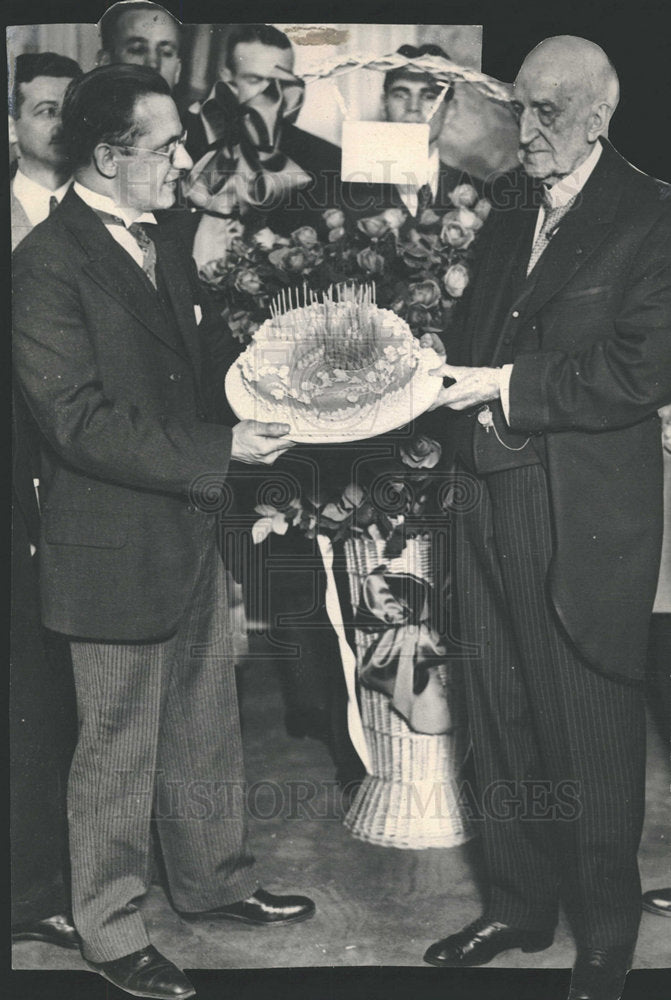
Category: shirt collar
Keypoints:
(34, 197)
(103, 203)
(568, 187)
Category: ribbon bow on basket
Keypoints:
(243, 165)
(407, 659)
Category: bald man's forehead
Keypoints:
(546, 83)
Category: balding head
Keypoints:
(565, 94)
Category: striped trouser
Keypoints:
(159, 735)
(559, 748)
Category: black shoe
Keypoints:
(599, 973)
(481, 941)
(55, 930)
(658, 901)
(146, 973)
(262, 908)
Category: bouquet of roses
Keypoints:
(391, 499)
(420, 266)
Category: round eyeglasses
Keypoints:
(170, 151)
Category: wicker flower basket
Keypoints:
(410, 798)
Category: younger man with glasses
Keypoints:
(122, 383)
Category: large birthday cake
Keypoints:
(331, 361)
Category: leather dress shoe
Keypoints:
(657, 901)
(263, 908)
(54, 930)
(481, 941)
(599, 973)
(146, 973)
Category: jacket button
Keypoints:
(507, 340)
(175, 376)
(515, 314)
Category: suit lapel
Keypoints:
(498, 272)
(113, 269)
(173, 264)
(581, 232)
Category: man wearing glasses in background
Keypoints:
(120, 374)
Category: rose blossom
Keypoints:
(333, 218)
(370, 261)
(455, 231)
(464, 194)
(336, 234)
(248, 281)
(290, 259)
(483, 208)
(421, 452)
(305, 237)
(456, 280)
(394, 217)
(374, 225)
(265, 238)
(425, 293)
(240, 324)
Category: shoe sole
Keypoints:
(528, 949)
(145, 995)
(649, 908)
(253, 923)
(28, 936)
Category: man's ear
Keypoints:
(225, 74)
(600, 119)
(103, 58)
(12, 130)
(105, 160)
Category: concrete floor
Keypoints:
(375, 906)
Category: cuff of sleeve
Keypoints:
(504, 383)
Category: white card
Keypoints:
(385, 153)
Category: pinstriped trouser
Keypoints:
(159, 729)
(542, 719)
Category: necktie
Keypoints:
(424, 199)
(146, 244)
(553, 217)
(53, 203)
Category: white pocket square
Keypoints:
(198, 313)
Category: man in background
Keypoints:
(144, 34)
(43, 171)
(42, 703)
(252, 162)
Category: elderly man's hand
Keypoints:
(257, 443)
(472, 386)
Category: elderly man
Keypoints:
(558, 558)
(144, 34)
(118, 373)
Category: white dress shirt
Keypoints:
(409, 192)
(34, 198)
(127, 215)
(559, 194)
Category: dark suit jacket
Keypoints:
(600, 315)
(125, 398)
